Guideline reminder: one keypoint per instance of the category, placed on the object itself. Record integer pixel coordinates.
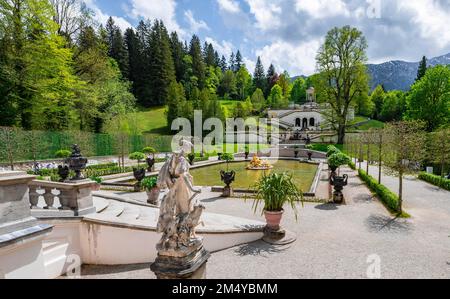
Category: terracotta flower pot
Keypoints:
(96, 187)
(273, 219)
(153, 196)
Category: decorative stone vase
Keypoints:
(153, 196)
(228, 177)
(139, 175)
(273, 220)
(310, 156)
(191, 160)
(77, 163)
(220, 156)
(339, 182)
(296, 153)
(150, 163)
(247, 154)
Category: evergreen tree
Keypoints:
(162, 69)
(422, 69)
(223, 64)
(198, 65)
(259, 77)
(238, 61)
(176, 104)
(178, 54)
(210, 58)
(232, 63)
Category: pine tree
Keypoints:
(162, 69)
(210, 58)
(178, 54)
(223, 64)
(198, 65)
(422, 69)
(232, 63)
(271, 78)
(259, 77)
(238, 61)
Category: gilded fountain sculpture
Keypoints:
(258, 164)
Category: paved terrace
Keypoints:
(334, 241)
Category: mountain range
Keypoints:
(400, 75)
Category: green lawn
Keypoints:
(373, 124)
(153, 120)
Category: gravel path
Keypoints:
(334, 241)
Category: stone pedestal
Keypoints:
(278, 237)
(228, 192)
(182, 264)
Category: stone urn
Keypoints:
(150, 163)
(296, 152)
(219, 155)
(273, 220)
(339, 182)
(310, 156)
(247, 154)
(228, 177)
(139, 175)
(63, 172)
(153, 196)
(77, 163)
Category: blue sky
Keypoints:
(288, 33)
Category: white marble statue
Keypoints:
(180, 213)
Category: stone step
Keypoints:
(114, 209)
(130, 212)
(150, 215)
(100, 204)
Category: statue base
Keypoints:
(338, 198)
(228, 192)
(280, 237)
(186, 264)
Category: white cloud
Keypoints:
(161, 10)
(195, 26)
(266, 13)
(296, 59)
(431, 19)
(102, 18)
(250, 64)
(230, 6)
(224, 48)
(322, 8)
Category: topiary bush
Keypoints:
(338, 159)
(63, 154)
(332, 150)
(435, 180)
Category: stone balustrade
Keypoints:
(53, 199)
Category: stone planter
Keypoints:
(246, 155)
(153, 196)
(296, 154)
(151, 164)
(273, 220)
(228, 177)
(139, 175)
(96, 187)
(339, 182)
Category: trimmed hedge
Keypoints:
(389, 198)
(435, 180)
(352, 165)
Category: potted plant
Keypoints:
(275, 191)
(191, 158)
(332, 150)
(150, 160)
(219, 155)
(139, 172)
(98, 181)
(228, 177)
(150, 185)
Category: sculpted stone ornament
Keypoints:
(77, 163)
(180, 251)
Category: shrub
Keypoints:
(227, 157)
(137, 156)
(389, 198)
(149, 183)
(338, 159)
(435, 180)
(149, 150)
(62, 154)
(96, 179)
(352, 165)
(332, 150)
